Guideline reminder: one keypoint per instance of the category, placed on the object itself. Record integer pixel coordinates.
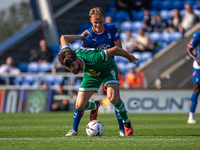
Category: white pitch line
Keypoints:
(95, 138)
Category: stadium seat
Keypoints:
(44, 67)
(25, 84)
(84, 26)
(123, 36)
(121, 66)
(166, 37)
(146, 56)
(155, 5)
(122, 16)
(18, 80)
(164, 14)
(153, 12)
(155, 36)
(75, 45)
(126, 25)
(30, 79)
(175, 36)
(137, 25)
(191, 2)
(137, 15)
(135, 34)
(166, 5)
(50, 79)
(23, 66)
(55, 48)
(182, 12)
(112, 6)
(33, 67)
(178, 4)
(138, 55)
(58, 79)
(197, 12)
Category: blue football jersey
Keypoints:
(104, 40)
(195, 43)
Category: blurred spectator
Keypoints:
(135, 79)
(45, 86)
(108, 19)
(144, 43)
(33, 56)
(160, 24)
(129, 42)
(57, 67)
(8, 68)
(176, 20)
(45, 53)
(62, 104)
(148, 21)
(190, 19)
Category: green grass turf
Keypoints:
(47, 131)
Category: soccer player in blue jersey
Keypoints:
(194, 44)
(93, 61)
(100, 36)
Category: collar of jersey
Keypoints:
(99, 33)
(83, 63)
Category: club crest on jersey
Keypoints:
(109, 36)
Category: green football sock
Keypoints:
(89, 106)
(121, 109)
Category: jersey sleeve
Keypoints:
(194, 41)
(116, 36)
(101, 56)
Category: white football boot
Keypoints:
(122, 133)
(191, 121)
(71, 132)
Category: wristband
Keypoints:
(65, 47)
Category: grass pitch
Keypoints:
(47, 131)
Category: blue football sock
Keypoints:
(119, 119)
(193, 102)
(77, 118)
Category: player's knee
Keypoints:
(79, 107)
(113, 99)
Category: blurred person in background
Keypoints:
(190, 19)
(33, 56)
(194, 44)
(135, 79)
(63, 104)
(144, 43)
(148, 21)
(129, 42)
(9, 69)
(44, 53)
(176, 20)
(100, 36)
(160, 24)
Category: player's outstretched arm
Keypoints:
(66, 39)
(120, 52)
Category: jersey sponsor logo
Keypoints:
(113, 74)
(103, 47)
(109, 36)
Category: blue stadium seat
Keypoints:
(58, 79)
(55, 48)
(84, 26)
(137, 25)
(126, 25)
(155, 36)
(155, 5)
(164, 14)
(153, 12)
(182, 12)
(197, 12)
(191, 2)
(112, 6)
(23, 66)
(176, 36)
(121, 67)
(25, 84)
(123, 36)
(178, 4)
(122, 16)
(137, 15)
(33, 67)
(44, 67)
(166, 37)
(18, 80)
(75, 45)
(30, 79)
(166, 5)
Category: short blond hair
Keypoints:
(97, 11)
